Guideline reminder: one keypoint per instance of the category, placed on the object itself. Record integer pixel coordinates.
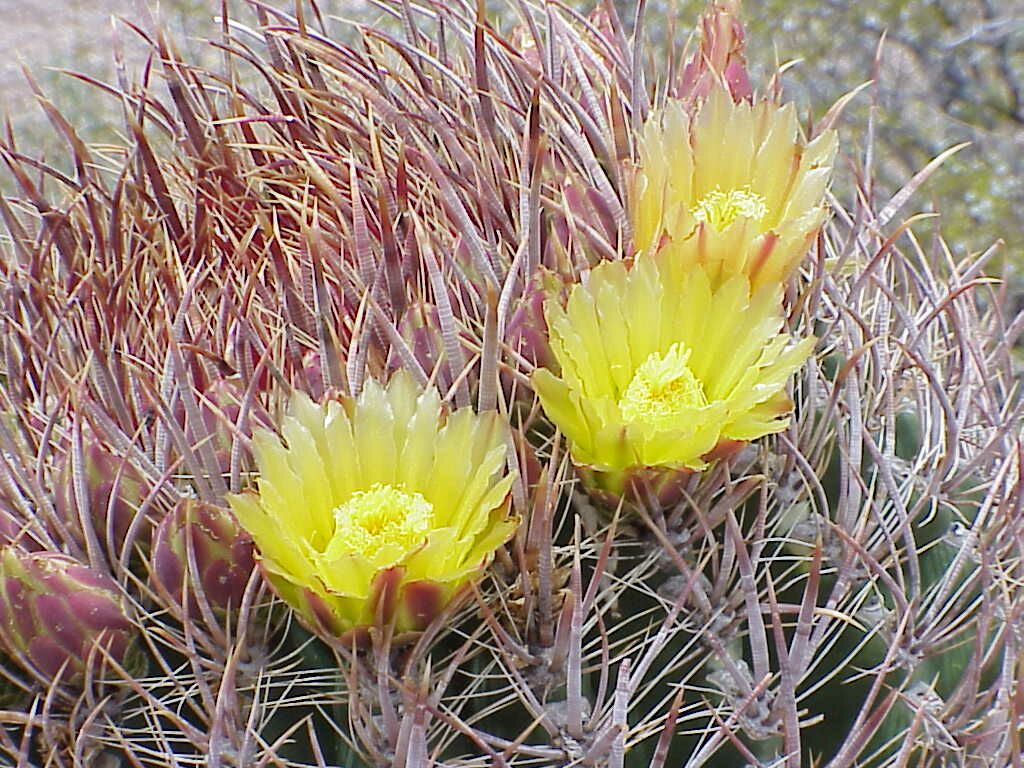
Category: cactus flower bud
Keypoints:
(719, 58)
(421, 330)
(219, 410)
(527, 329)
(54, 612)
(221, 551)
(107, 504)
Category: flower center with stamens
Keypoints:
(662, 388)
(384, 516)
(720, 209)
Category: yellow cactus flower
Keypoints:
(738, 179)
(659, 367)
(380, 507)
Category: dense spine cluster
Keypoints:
(345, 418)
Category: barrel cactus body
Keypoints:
(470, 384)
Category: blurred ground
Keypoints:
(952, 70)
(78, 35)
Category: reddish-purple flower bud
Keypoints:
(114, 490)
(421, 329)
(58, 616)
(719, 59)
(527, 328)
(220, 412)
(220, 551)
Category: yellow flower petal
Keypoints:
(365, 498)
(739, 173)
(343, 464)
(561, 404)
(683, 363)
(373, 426)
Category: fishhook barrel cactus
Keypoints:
(480, 384)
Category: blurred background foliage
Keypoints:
(951, 71)
(46, 36)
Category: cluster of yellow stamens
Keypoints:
(720, 209)
(662, 389)
(384, 520)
